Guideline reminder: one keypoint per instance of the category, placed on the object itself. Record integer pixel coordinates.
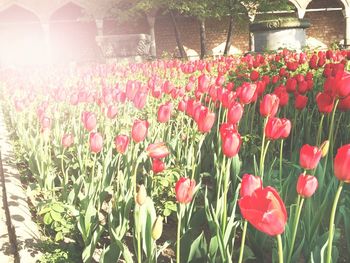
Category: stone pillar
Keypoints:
(47, 41)
(346, 13)
(151, 19)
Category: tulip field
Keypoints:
(230, 159)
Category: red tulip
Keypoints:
(342, 84)
(164, 112)
(291, 85)
(307, 185)
(286, 127)
(265, 210)
(277, 128)
(67, 140)
(206, 120)
(282, 94)
(342, 163)
(89, 120)
(249, 184)
(157, 150)
(300, 101)
(269, 105)
(140, 100)
(158, 166)
(139, 130)
(344, 104)
(235, 113)
(309, 156)
(112, 111)
(246, 92)
(96, 142)
(324, 102)
(231, 140)
(45, 123)
(121, 143)
(254, 75)
(184, 190)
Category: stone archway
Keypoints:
(72, 34)
(21, 37)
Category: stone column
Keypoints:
(47, 41)
(346, 13)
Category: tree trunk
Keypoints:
(229, 36)
(178, 37)
(202, 39)
(151, 18)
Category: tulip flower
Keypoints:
(184, 190)
(277, 128)
(141, 195)
(96, 142)
(235, 113)
(157, 228)
(325, 102)
(157, 150)
(341, 84)
(121, 143)
(309, 156)
(205, 120)
(67, 140)
(231, 140)
(164, 112)
(246, 92)
(158, 166)
(269, 105)
(139, 130)
(300, 101)
(140, 100)
(265, 210)
(341, 171)
(112, 111)
(307, 185)
(89, 120)
(342, 164)
(249, 184)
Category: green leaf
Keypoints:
(58, 208)
(47, 219)
(55, 216)
(198, 249)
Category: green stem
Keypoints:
(139, 256)
(226, 184)
(319, 132)
(178, 235)
(295, 225)
(330, 138)
(281, 158)
(243, 241)
(65, 179)
(263, 160)
(280, 249)
(331, 222)
(261, 166)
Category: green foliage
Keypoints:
(59, 217)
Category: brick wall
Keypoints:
(326, 26)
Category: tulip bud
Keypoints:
(141, 195)
(157, 228)
(307, 185)
(324, 148)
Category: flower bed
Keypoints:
(235, 153)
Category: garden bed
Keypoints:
(155, 161)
